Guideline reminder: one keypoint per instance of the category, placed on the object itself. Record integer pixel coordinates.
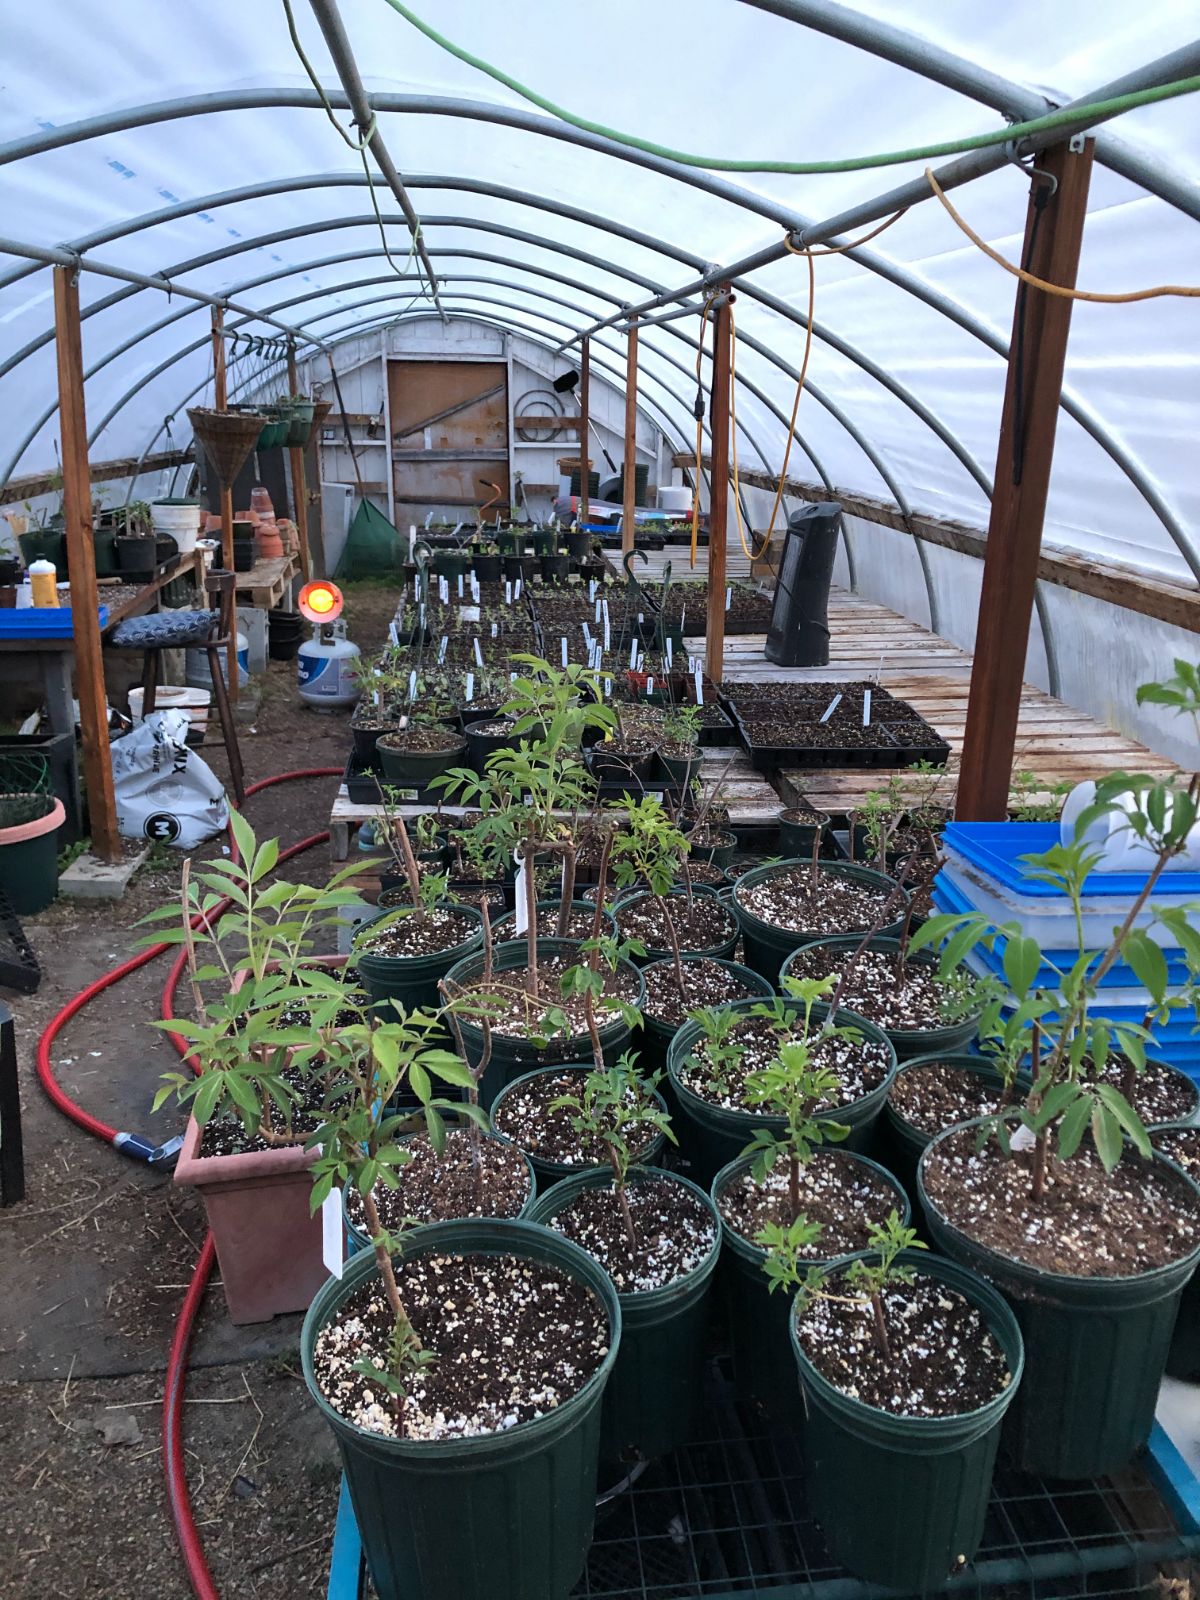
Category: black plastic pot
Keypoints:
(285, 632)
(10, 571)
(451, 563)
(137, 557)
(765, 946)
(907, 1042)
(713, 1135)
(487, 568)
(759, 1322)
(413, 980)
(416, 769)
(555, 569)
(45, 544)
(902, 1501)
(722, 950)
(365, 740)
(653, 1399)
(481, 745)
(680, 770)
(656, 1036)
(1095, 1350)
(901, 1144)
(797, 838)
(512, 1056)
(502, 1516)
(721, 854)
(518, 566)
(104, 547)
(1183, 1358)
(579, 546)
(609, 765)
(357, 1239)
(244, 555)
(549, 1173)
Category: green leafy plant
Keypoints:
(1034, 799)
(617, 1110)
(721, 1052)
(651, 850)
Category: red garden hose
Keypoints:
(178, 1497)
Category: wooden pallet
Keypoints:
(268, 581)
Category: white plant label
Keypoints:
(478, 653)
(508, 591)
(495, 630)
(831, 708)
(728, 597)
(649, 687)
(670, 654)
(374, 697)
(412, 538)
(632, 654)
(333, 1233)
(607, 687)
(517, 590)
(592, 592)
(587, 637)
(442, 647)
(866, 722)
(460, 586)
(470, 687)
(522, 903)
(393, 636)
(412, 684)
(699, 687)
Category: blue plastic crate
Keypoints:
(948, 897)
(42, 622)
(997, 847)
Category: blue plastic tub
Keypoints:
(997, 847)
(42, 622)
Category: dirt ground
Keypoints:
(94, 1265)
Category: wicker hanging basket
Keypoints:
(228, 438)
(321, 409)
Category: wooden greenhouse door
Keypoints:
(449, 424)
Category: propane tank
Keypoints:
(324, 665)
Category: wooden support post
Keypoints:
(81, 561)
(585, 378)
(718, 504)
(1041, 323)
(629, 469)
(221, 402)
(299, 483)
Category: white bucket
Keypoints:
(181, 522)
(196, 671)
(674, 498)
(196, 703)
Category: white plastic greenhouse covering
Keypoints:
(510, 194)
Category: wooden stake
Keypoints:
(718, 507)
(1041, 324)
(81, 560)
(299, 485)
(221, 403)
(630, 466)
(585, 375)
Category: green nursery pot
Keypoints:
(416, 769)
(413, 980)
(512, 1056)
(721, 951)
(765, 946)
(902, 1144)
(503, 1516)
(1183, 1358)
(1095, 1350)
(714, 1135)
(357, 1239)
(902, 1500)
(29, 825)
(656, 1036)
(908, 1042)
(653, 1399)
(549, 1173)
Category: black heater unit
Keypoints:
(799, 631)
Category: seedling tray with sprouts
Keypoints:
(728, 1516)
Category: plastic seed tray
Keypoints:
(727, 1517)
(885, 748)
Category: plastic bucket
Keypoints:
(180, 519)
(512, 1056)
(29, 850)
(501, 1516)
(1095, 1350)
(764, 1367)
(549, 1173)
(765, 946)
(653, 1399)
(713, 1135)
(902, 1500)
(907, 1042)
(197, 704)
(413, 980)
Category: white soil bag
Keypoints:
(164, 792)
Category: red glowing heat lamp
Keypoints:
(320, 601)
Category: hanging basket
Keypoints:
(321, 409)
(228, 438)
(301, 427)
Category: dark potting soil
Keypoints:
(1087, 1224)
(579, 926)
(859, 1064)
(493, 727)
(674, 1231)
(901, 995)
(513, 1340)
(936, 1095)
(701, 926)
(708, 838)
(942, 1360)
(705, 983)
(426, 740)
(437, 1188)
(1159, 1094)
(705, 872)
(419, 934)
(803, 816)
(844, 1196)
(840, 905)
(517, 1013)
(225, 1135)
(525, 1117)
(1180, 1145)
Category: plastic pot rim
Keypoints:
(744, 974)
(20, 832)
(509, 956)
(563, 1169)
(950, 1058)
(363, 1239)
(392, 964)
(712, 951)
(1040, 1279)
(891, 942)
(843, 869)
(748, 1250)
(454, 1238)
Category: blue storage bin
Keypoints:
(997, 847)
(42, 622)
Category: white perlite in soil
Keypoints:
(860, 1065)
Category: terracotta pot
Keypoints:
(257, 1203)
(268, 540)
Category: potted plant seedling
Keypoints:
(658, 1237)
(680, 749)
(1095, 1223)
(787, 1179)
(250, 1106)
(908, 1364)
(386, 1346)
(137, 555)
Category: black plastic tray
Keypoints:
(889, 752)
